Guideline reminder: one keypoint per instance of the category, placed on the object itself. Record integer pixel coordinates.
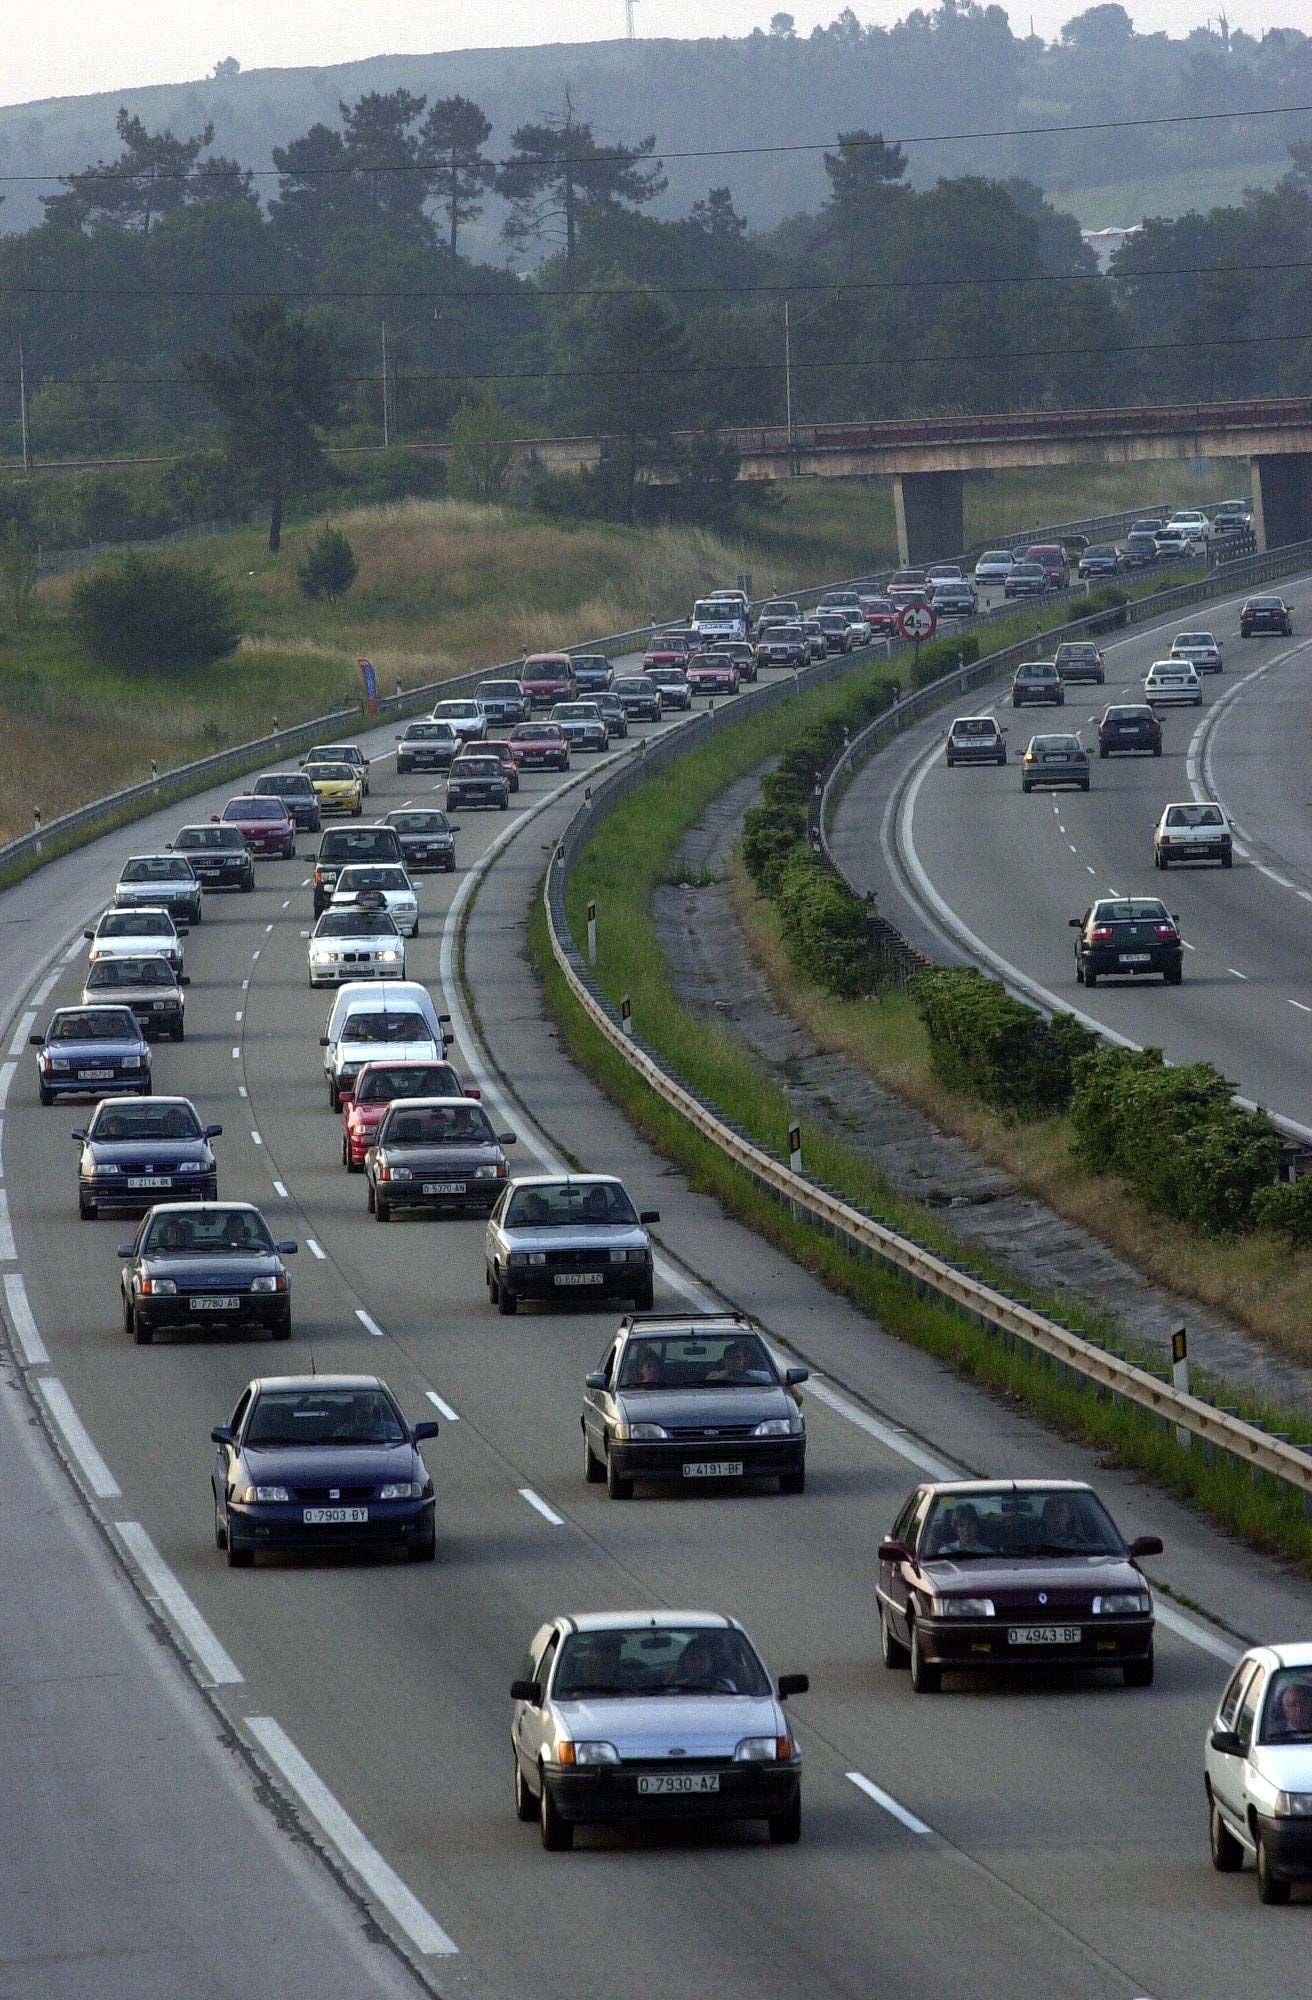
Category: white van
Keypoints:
(367, 1021)
(718, 618)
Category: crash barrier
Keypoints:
(1074, 1357)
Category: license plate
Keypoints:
(578, 1277)
(444, 1187)
(334, 1517)
(151, 1180)
(215, 1305)
(678, 1786)
(1044, 1635)
(714, 1468)
(1136, 957)
(95, 1075)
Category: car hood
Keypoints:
(332, 1465)
(1288, 1766)
(577, 1236)
(654, 1725)
(213, 1272)
(705, 1408)
(99, 1051)
(455, 1158)
(992, 1576)
(153, 1152)
(130, 996)
(143, 944)
(152, 892)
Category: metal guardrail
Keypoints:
(847, 1224)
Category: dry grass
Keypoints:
(1256, 1280)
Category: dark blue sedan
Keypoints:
(138, 1151)
(321, 1462)
(207, 1264)
(92, 1052)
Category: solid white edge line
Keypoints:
(78, 1439)
(540, 1506)
(888, 1435)
(22, 1031)
(1195, 1632)
(369, 1324)
(382, 1881)
(22, 1321)
(1302, 1008)
(890, 1804)
(8, 1250)
(203, 1643)
(444, 1409)
(315, 1250)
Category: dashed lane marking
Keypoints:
(539, 1506)
(21, 1319)
(214, 1660)
(443, 1409)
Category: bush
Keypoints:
(771, 833)
(941, 657)
(158, 614)
(824, 927)
(202, 487)
(1286, 1210)
(990, 1046)
(330, 567)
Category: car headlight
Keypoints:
(521, 1258)
(132, 1062)
(596, 1753)
(961, 1607)
(400, 1174)
(250, 1493)
(388, 957)
(763, 1750)
(644, 1433)
(773, 1427)
(486, 1174)
(401, 1489)
(274, 1283)
(1117, 1603)
(102, 1167)
(1293, 1805)
(160, 1288)
(55, 1062)
(323, 954)
(619, 1256)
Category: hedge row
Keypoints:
(995, 1048)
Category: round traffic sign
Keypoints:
(917, 621)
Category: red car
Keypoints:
(880, 614)
(712, 676)
(547, 678)
(1052, 557)
(376, 1085)
(499, 746)
(661, 655)
(266, 825)
(539, 746)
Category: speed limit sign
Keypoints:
(917, 621)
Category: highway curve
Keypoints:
(1010, 1843)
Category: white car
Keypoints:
(373, 1023)
(1196, 830)
(1175, 545)
(355, 943)
(387, 885)
(1257, 1768)
(139, 933)
(1192, 523)
(856, 624)
(465, 717)
(994, 566)
(1172, 681)
(1200, 649)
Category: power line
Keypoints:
(627, 155)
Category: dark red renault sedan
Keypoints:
(266, 825)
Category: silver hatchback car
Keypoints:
(1258, 1770)
(652, 1715)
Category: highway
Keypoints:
(1009, 1842)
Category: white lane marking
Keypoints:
(254, 956)
(22, 1321)
(256, 1138)
(1281, 881)
(1195, 1632)
(212, 1657)
(1060, 827)
(72, 952)
(278, 1188)
(22, 1031)
(1306, 894)
(8, 1252)
(888, 1435)
(78, 1439)
(306, 883)
(7, 1074)
(889, 1803)
(539, 1506)
(1113, 892)
(444, 1408)
(1301, 1008)
(1188, 947)
(315, 1250)
(1089, 870)
(240, 1012)
(1236, 975)
(245, 985)
(287, 905)
(267, 929)
(236, 1055)
(381, 1880)
(46, 988)
(369, 1324)
(1073, 848)
(305, 934)
(241, 1089)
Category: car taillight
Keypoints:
(1167, 932)
(1100, 934)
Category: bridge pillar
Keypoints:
(1282, 498)
(930, 516)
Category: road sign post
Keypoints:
(917, 622)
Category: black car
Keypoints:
(690, 1399)
(1079, 660)
(783, 646)
(1125, 937)
(1102, 559)
(612, 712)
(436, 1153)
(1026, 579)
(593, 673)
(321, 1462)
(981, 1575)
(475, 780)
(138, 1151)
(345, 846)
(205, 1264)
(572, 1236)
(743, 653)
(92, 1052)
(673, 684)
(1054, 760)
(1129, 727)
(1265, 614)
(1036, 681)
(160, 882)
(150, 986)
(296, 793)
(1138, 551)
(427, 746)
(428, 839)
(639, 696)
(219, 856)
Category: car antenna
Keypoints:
(313, 1369)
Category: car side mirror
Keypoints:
(424, 1430)
(80, 1133)
(213, 1132)
(183, 930)
(286, 1248)
(345, 1097)
(793, 1684)
(529, 1691)
(507, 1139)
(649, 1215)
(793, 1377)
(223, 1434)
(1226, 1743)
(893, 1551)
(88, 934)
(452, 829)
(594, 1380)
(323, 1041)
(214, 819)
(1145, 1545)
(184, 979)
(168, 847)
(1073, 922)
(36, 1041)
(126, 1249)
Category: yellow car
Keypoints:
(339, 788)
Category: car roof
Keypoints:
(434, 1103)
(558, 1180)
(318, 1382)
(136, 910)
(983, 1486)
(117, 1103)
(662, 1620)
(207, 1207)
(1285, 1652)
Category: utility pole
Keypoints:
(788, 384)
(628, 16)
(22, 405)
(387, 393)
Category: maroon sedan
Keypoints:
(547, 678)
(539, 746)
(377, 1084)
(880, 614)
(660, 655)
(496, 746)
(712, 675)
(266, 825)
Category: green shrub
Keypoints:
(770, 835)
(330, 567)
(158, 614)
(995, 1048)
(1286, 1210)
(824, 926)
(941, 657)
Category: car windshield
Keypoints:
(458, 711)
(367, 843)
(208, 1232)
(381, 1085)
(1287, 1717)
(535, 732)
(1100, 549)
(975, 726)
(283, 785)
(997, 556)
(255, 809)
(552, 665)
(375, 1025)
(437, 1125)
(135, 923)
(355, 923)
(156, 868)
(569, 1204)
(353, 879)
(582, 711)
(348, 753)
(130, 972)
(418, 822)
(1128, 715)
(120, 1124)
(330, 773)
(1194, 816)
(1131, 910)
(430, 732)
(210, 837)
(693, 1361)
(1028, 568)
(1019, 1524)
(1266, 603)
(323, 1417)
(1036, 672)
(501, 689)
(1077, 652)
(657, 1660)
(1202, 640)
(95, 1024)
(476, 767)
(1048, 746)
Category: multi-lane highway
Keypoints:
(1004, 1842)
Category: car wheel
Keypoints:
(47, 1096)
(526, 1806)
(1025, 786)
(1139, 1673)
(1175, 978)
(1227, 860)
(618, 1487)
(793, 1482)
(507, 1303)
(950, 762)
(248, 883)
(451, 866)
(891, 1650)
(1003, 758)
(1269, 1888)
(1085, 786)
(1157, 749)
(382, 1208)
(1101, 677)
(334, 1101)
(141, 1333)
(1102, 750)
(1090, 977)
(557, 1833)
(593, 1469)
(786, 1827)
(220, 1526)
(645, 1299)
(180, 1032)
(238, 1557)
(357, 812)
(424, 1552)
(86, 1209)
(1160, 860)
(925, 1679)
(1227, 1854)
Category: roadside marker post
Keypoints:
(1180, 1375)
(626, 1015)
(795, 1148)
(592, 933)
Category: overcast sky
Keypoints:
(68, 47)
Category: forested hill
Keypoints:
(954, 68)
